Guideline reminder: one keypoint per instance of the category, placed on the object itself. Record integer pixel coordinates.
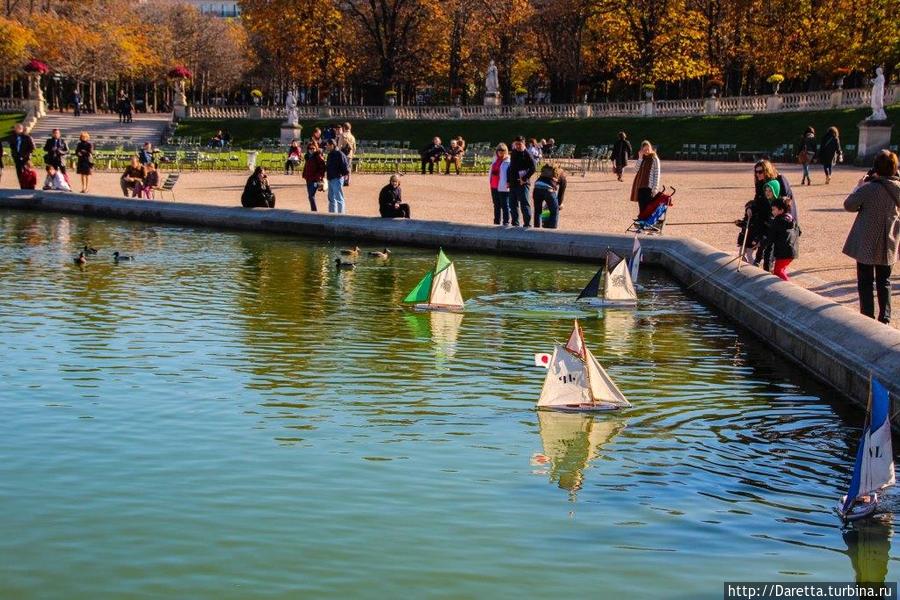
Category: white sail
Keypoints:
(445, 289)
(566, 381)
(603, 389)
(635, 259)
(877, 469)
(618, 286)
(575, 345)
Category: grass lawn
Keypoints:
(749, 132)
(7, 120)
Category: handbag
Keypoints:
(803, 157)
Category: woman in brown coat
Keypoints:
(875, 235)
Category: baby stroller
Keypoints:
(653, 218)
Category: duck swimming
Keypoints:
(354, 251)
(117, 257)
(89, 250)
(81, 260)
(344, 264)
(382, 254)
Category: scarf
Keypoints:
(642, 178)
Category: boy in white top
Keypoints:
(55, 180)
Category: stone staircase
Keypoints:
(144, 128)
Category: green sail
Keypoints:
(442, 262)
(422, 291)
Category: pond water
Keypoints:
(229, 416)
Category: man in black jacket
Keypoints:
(521, 168)
(21, 147)
(55, 150)
(390, 204)
(431, 154)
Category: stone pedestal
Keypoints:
(492, 99)
(390, 112)
(455, 112)
(583, 111)
(712, 105)
(648, 108)
(254, 112)
(837, 98)
(290, 132)
(324, 111)
(773, 103)
(874, 136)
(179, 102)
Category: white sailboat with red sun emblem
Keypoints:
(576, 381)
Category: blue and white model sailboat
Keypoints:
(874, 468)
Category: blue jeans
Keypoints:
(311, 188)
(336, 195)
(518, 199)
(542, 196)
(805, 171)
(501, 206)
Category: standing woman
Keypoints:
(807, 153)
(84, 166)
(875, 235)
(646, 181)
(620, 154)
(313, 173)
(498, 176)
(830, 152)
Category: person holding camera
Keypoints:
(313, 173)
(875, 235)
(257, 192)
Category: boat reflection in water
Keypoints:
(869, 547)
(442, 328)
(571, 441)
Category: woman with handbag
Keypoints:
(807, 153)
(84, 152)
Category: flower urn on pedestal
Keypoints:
(179, 75)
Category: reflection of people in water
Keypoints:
(571, 441)
(869, 546)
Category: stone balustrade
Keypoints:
(12, 105)
(728, 105)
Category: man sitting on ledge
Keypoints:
(389, 203)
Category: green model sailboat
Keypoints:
(439, 289)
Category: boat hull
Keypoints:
(858, 511)
(603, 302)
(592, 408)
(438, 308)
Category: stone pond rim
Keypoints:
(832, 343)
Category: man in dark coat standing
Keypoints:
(21, 147)
(55, 150)
(621, 152)
(521, 168)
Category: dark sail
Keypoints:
(592, 289)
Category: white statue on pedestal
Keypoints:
(491, 84)
(878, 113)
(290, 105)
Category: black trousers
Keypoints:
(645, 197)
(880, 276)
(429, 163)
(400, 212)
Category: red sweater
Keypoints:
(28, 179)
